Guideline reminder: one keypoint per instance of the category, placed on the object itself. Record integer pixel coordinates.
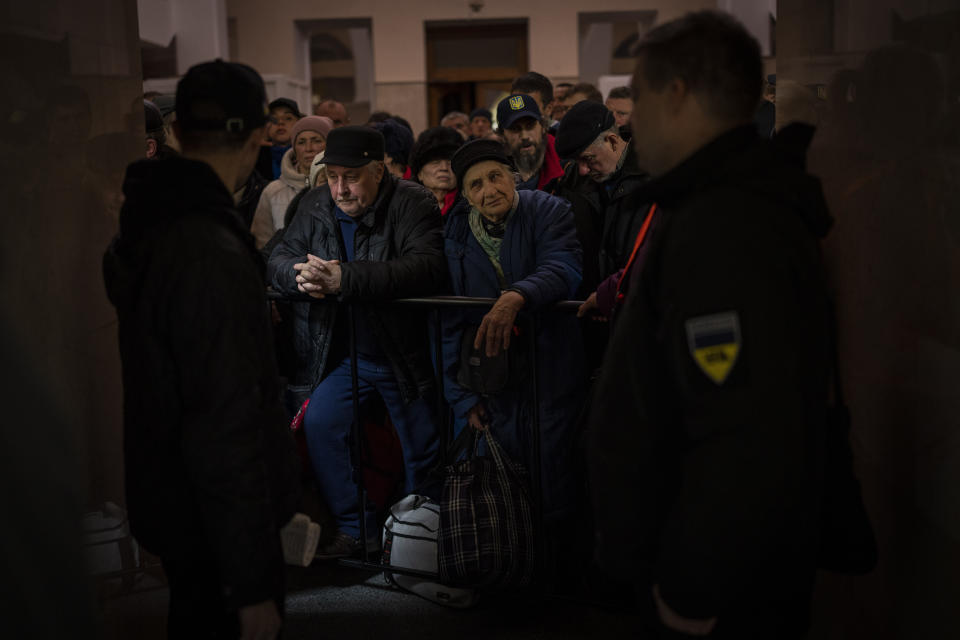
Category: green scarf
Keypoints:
(490, 243)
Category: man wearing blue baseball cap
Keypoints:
(210, 464)
(531, 147)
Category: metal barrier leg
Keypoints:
(443, 423)
(357, 431)
(536, 479)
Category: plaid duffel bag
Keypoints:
(486, 534)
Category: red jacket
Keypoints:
(448, 201)
(551, 164)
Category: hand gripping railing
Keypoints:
(436, 304)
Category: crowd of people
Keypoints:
(702, 339)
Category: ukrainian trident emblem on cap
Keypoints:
(516, 103)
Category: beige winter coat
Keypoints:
(274, 200)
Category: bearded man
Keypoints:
(530, 146)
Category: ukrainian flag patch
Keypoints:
(714, 343)
(516, 103)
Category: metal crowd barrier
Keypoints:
(437, 304)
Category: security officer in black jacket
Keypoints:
(706, 444)
(211, 472)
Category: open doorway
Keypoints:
(472, 64)
(340, 64)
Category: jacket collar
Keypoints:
(289, 173)
(738, 158)
(551, 167)
(703, 166)
(628, 171)
(630, 167)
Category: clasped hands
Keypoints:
(317, 277)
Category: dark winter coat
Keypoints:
(250, 198)
(208, 454)
(398, 253)
(541, 259)
(711, 489)
(608, 217)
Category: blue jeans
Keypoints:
(327, 426)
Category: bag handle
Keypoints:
(500, 460)
(462, 444)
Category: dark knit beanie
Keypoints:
(478, 151)
(397, 138)
(480, 112)
(436, 143)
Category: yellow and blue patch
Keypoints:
(516, 103)
(714, 343)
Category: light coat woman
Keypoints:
(309, 138)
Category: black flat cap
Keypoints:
(580, 127)
(353, 146)
(477, 151)
(221, 96)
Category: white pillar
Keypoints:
(201, 28)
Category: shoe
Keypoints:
(299, 540)
(344, 546)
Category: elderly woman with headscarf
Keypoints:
(430, 164)
(309, 138)
(521, 248)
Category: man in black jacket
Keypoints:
(706, 446)
(365, 237)
(601, 184)
(210, 465)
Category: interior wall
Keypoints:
(755, 16)
(399, 53)
(398, 28)
(887, 150)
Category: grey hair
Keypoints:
(450, 116)
(615, 130)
